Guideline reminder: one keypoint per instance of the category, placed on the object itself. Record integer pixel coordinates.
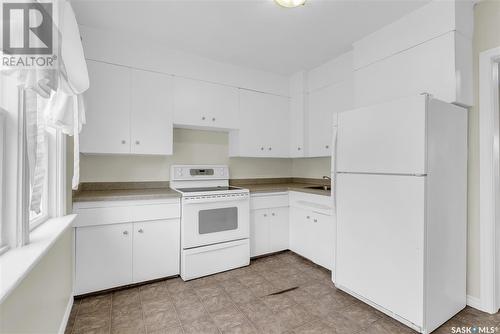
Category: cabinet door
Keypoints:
(152, 113)
(264, 127)
(300, 232)
(322, 105)
(323, 233)
(278, 229)
(297, 106)
(278, 125)
(156, 249)
(203, 104)
(103, 257)
(107, 110)
(259, 232)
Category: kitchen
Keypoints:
(226, 188)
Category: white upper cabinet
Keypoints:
(429, 50)
(151, 117)
(201, 104)
(264, 126)
(107, 110)
(297, 106)
(322, 107)
(128, 111)
(433, 67)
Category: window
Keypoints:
(16, 220)
(47, 168)
(35, 219)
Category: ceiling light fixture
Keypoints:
(290, 3)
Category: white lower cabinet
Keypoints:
(268, 230)
(312, 235)
(118, 245)
(103, 257)
(300, 234)
(300, 222)
(109, 256)
(156, 246)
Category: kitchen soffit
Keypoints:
(256, 34)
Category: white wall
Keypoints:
(190, 147)
(486, 36)
(38, 304)
(311, 167)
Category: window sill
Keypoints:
(16, 263)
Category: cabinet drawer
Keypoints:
(102, 216)
(268, 201)
(155, 212)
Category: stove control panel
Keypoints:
(199, 172)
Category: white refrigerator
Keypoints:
(401, 205)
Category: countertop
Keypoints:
(123, 191)
(129, 191)
(279, 185)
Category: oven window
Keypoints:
(217, 220)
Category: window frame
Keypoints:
(54, 196)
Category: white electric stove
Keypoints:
(215, 220)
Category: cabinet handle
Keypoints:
(124, 141)
(125, 232)
(140, 230)
(265, 214)
(213, 119)
(327, 146)
(262, 148)
(137, 142)
(308, 217)
(298, 148)
(315, 220)
(203, 118)
(270, 148)
(273, 214)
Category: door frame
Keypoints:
(489, 178)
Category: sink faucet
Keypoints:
(327, 178)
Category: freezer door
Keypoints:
(385, 138)
(380, 229)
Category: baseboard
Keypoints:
(65, 319)
(474, 302)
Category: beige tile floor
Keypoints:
(241, 301)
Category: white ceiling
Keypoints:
(251, 33)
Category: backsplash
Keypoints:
(196, 147)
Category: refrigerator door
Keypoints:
(380, 240)
(385, 138)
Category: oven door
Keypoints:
(211, 222)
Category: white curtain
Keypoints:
(63, 106)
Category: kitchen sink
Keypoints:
(319, 187)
